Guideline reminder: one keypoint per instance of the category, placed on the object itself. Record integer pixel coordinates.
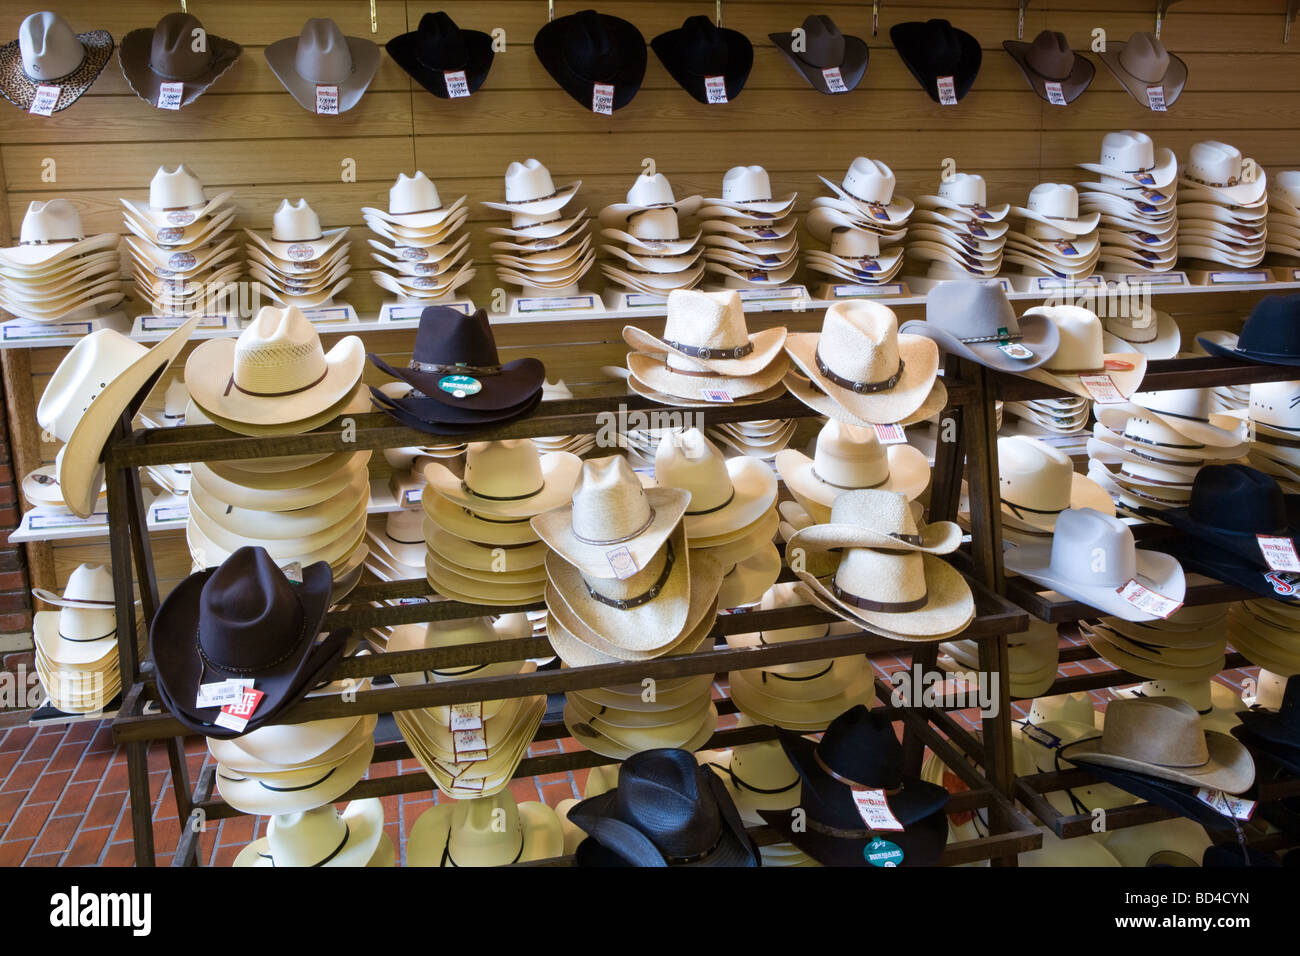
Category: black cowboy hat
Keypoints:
(667, 810)
(699, 49)
(243, 619)
(586, 48)
(936, 48)
(436, 418)
(1271, 333)
(1195, 557)
(1278, 729)
(825, 48)
(438, 47)
(859, 751)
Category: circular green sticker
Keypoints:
(882, 853)
(460, 386)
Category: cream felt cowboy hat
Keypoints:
(529, 189)
(650, 191)
(1091, 558)
(1142, 64)
(293, 791)
(860, 361)
(1057, 205)
(760, 250)
(1216, 168)
(747, 192)
(1037, 483)
(275, 372)
(324, 837)
(1080, 352)
(725, 495)
(846, 458)
(430, 260)
(1153, 333)
(489, 831)
(1189, 412)
(965, 196)
(165, 264)
(869, 186)
(102, 376)
(399, 535)
(51, 239)
(888, 575)
(969, 230)
(507, 479)
(783, 595)
(176, 201)
(422, 287)
(41, 487)
(414, 204)
(1148, 202)
(297, 236)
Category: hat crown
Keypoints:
(1240, 499)
(48, 47)
(849, 456)
(703, 46)
(686, 459)
(279, 352)
(609, 504)
(447, 336)
(249, 616)
(91, 583)
(659, 794)
(859, 341)
(469, 630)
(1195, 692)
(1145, 57)
(1127, 150)
(655, 224)
(440, 45)
(1055, 201)
(854, 243)
(1073, 708)
(1050, 55)
(713, 320)
(85, 371)
(787, 594)
(651, 191)
(763, 765)
(294, 222)
(1214, 163)
(175, 189)
(405, 525)
(306, 838)
(1080, 337)
(323, 55)
(527, 181)
(589, 47)
(1156, 730)
(970, 309)
(413, 194)
(1286, 186)
(485, 831)
(886, 512)
(861, 746)
(869, 180)
(172, 54)
(939, 50)
(746, 184)
(1195, 404)
(503, 469)
(1093, 549)
(55, 220)
(1142, 327)
(555, 391)
(1148, 430)
(1273, 326)
(964, 189)
(1033, 475)
(1276, 404)
(823, 42)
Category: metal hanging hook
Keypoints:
(184, 7)
(717, 15)
(374, 17)
(1162, 11)
(1020, 20)
(875, 17)
(1291, 7)
(550, 10)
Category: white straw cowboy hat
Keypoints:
(1057, 205)
(1130, 157)
(1038, 482)
(488, 831)
(414, 203)
(297, 236)
(847, 457)
(650, 191)
(755, 697)
(529, 189)
(757, 776)
(783, 595)
(51, 237)
(966, 196)
(889, 577)
(1217, 168)
(101, 377)
(1080, 352)
(861, 362)
(84, 629)
(275, 372)
(590, 648)
(726, 494)
(323, 837)
(1142, 63)
(1191, 412)
(507, 479)
(48, 53)
(1091, 558)
(482, 529)
(348, 482)
(869, 186)
(322, 56)
(707, 331)
(747, 580)
(293, 791)
(399, 535)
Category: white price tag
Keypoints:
(602, 99)
(170, 95)
(1279, 553)
(293, 572)
(622, 562)
(222, 692)
(1102, 389)
(715, 89)
(1156, 98)
(44, 101)
(1055, 95)
(327, 99)
(834, 81)
(873, 807)
(890, 434)
(466, 716)
(1144, 599)
(1238, 808)
(947, 90)
(717, 395)
(457, 85)
(469, 745)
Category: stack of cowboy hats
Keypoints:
(276, 379)
(749, 236)
(456, 382)
(887, 577)
(847, 457)
(1135, 196)
(1032, 658)
(1228, 397)
(424, 252)
(1148, 451)
(55, 271)
(618, 722)
(1186, 646)
(1222, 207)
(545, 250)
(41, 488)
(956, 232)
(76, 646)
(1272, 415)
(762, 438)
(1036, 484)
(406, 481)
(300, 263)
(505, 483)
(860, 225)
(732, 514)
(321, 56)
(1044, 417)
(396, 545)
(470, 750)
(706, 354)
(579, 445)
(1057, 238)
(324, 837)
(1264, 631)
(860, 370)
(649, 255)
(180, 252)
(1284, 214)
(805, 695)
(485, 831)
(47, 52)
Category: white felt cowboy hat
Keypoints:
(650, 191)
(747, 190)
(965, 195)
(51, 240)
(101, 377)
(1080, 353)
(1217, 167)
(414, 204)
(84, 629)
(726, 495)
(176, 200)
(529, 189)
(869, 186)
(1130, 157)
(297, 236)
(1057, 205)
(488, 831)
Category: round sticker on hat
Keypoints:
(460, 386)
(180, 217)
(882, 853)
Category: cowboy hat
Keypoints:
(83, 632)
(1037, 482)
(488, 831)
(529, 189)
(507, 479)
(278, 747)
(293, 791)
(1215, 702)
(830, 61)
(976, 321)
(757, 776)
(1053, 70)
(965, 195)
(480, 529)
(1129, 157)
(437, 48)
(698, 51)
(1056, 205)
(726, 495)
(804, 703)
(935, 50)
(586, 49)
(1080, 353)
(579, 646)
(51, 240)
(167, 54)
(1142, 64)
(321, 837)
(707, 331)
(747, 580)
(1217, 168)
(1270, 334)
(868, 188)
(48, 53)
(297, 238)
(1232, 507)
(322, 56)
(1153, 333)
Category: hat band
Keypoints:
(1232, 181)
(1077, 371)
(293, 391)
(695, 858)
(402, 540)
(876, 203)
(457, 673)
(797, 679)
(49, 242)
(464, 485)
(691, 373)
(700, 351)
(87, 640)
(847, 487)
(627, 537)
(265, 786)
(1154, 481)
(750, 787)
(347, 835)
(448, 861)
(708, 511)
(265, 665)
(456, 368)
(1158, 444)
(478, 517)
(1172, 462)
(1008, 337)
(849, 781)
(860, 388)
(1277, 440)
(1186, 418)
(891, 607)
(1036, 511)
(646, 597)
(525, 202)
(415, 212)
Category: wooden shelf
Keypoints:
(1161, 374)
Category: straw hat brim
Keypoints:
(736, 546)
(458, 521)
(559, 475)
(468, 554)
(296, 791)
(459, 587)
(18, 88)
(578, 646)
(754, 491)
(670, 694)
(808, 681)
(1127, 659)
(689, 391)
(70, 653)
(767, 344)
(543, 835)
(231, 493)
(1084, 493)
(615, 719)
(949, 606)
(555, 527)
(293, 746)
(801, 716)
(519, 576)
(1229, 767)
(362, 846)
(747, 582)
(909, 474)
(920, 358)
(1163, 173)
(320, 523)
(940, 537)
(632, 742)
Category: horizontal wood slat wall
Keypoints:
(247, 134)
